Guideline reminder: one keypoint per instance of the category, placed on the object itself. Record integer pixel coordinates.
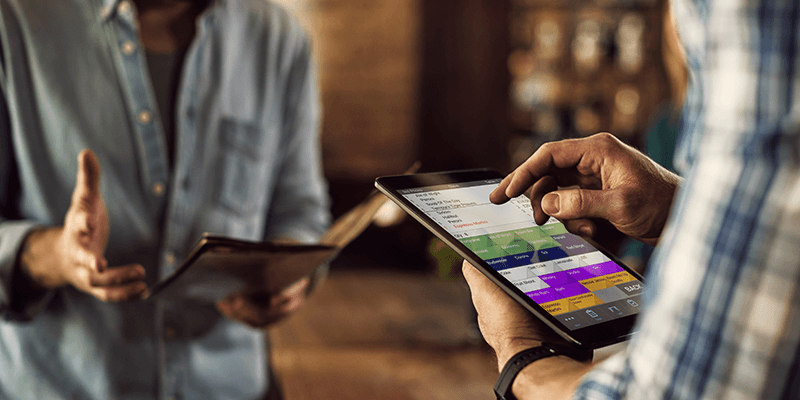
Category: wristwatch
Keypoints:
(520, 360)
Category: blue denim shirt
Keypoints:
(247, 164)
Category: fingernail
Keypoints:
(551, 203)
(585, 230)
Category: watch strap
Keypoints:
(515, 364)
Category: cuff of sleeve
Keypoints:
(17, 305)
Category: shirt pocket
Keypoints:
(244, 163)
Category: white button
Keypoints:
(158, 188)
(145, 117)
(128, 47)
(169, 257)
(104, 11)
(124, 7)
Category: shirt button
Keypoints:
(169, 257)
(128, 47)
(169, 333)
(124, 7)
(158, 188)
(145, 117)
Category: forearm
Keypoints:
(25, 292)
(20, 296)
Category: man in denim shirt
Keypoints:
(203, 117)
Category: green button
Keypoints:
(490, 252)
(531, 234)
(544, 243)
(477, 242)
(503, 238)
(516, 247)
(554, 229)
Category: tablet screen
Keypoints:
(563, 273)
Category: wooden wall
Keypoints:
(465, 80)
(369, 58)
(406, 80)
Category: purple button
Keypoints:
(560, 278)
(580, 274)
(602, 269)
(544, 295)
(570, 289)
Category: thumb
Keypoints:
(573, 204)
(87, 187)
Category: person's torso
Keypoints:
(76, 78)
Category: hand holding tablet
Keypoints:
(581, 291)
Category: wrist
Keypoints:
(40, 258)
(550, 378)
(530, 372)
(513, 346)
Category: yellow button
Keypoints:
(158, 188)
(145, 117)
(124, 7)
(128, 48)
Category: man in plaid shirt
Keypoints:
(722, 315)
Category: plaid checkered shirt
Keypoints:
(722, 316)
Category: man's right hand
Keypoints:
(615, 183)
(72, 254)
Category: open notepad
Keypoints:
(219, 265)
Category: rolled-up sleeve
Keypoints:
(14, 305)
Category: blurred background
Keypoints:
(454, 84)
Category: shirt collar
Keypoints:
(108, 7)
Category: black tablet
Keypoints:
(580, 290)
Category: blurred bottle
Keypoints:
(587, 46)
(547, 40)
(626, 110)
(630, 33)
(536, 89)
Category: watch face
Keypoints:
(580, 290)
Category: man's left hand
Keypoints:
(264, 310)
(504, 323)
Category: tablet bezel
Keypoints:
(591, 337)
